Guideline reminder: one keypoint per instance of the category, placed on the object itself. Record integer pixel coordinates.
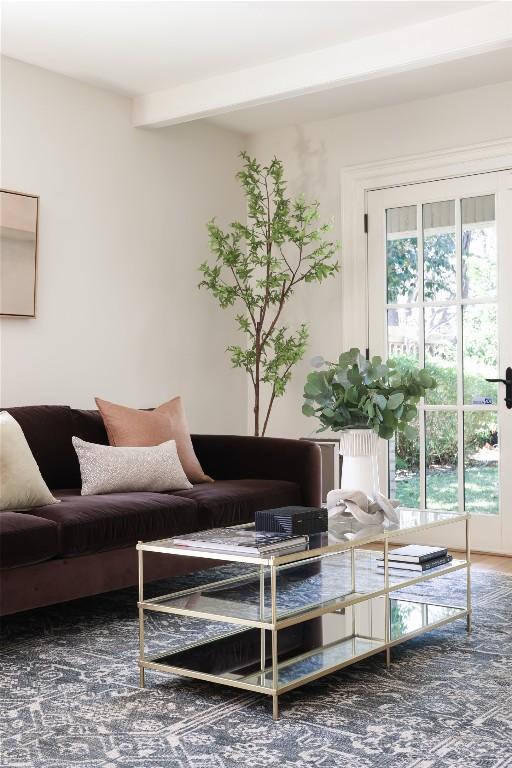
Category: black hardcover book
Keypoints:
(415, 553)
(415, 567)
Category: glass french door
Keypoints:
(440, 297)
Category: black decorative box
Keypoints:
(292, 520)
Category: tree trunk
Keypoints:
(257, 409)
(257, 382)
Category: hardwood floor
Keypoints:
(492, 563)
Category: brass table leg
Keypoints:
(263, 653)
(141, 618)
(387, 615)
(275, 697)
(275, 707)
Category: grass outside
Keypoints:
(481, 491)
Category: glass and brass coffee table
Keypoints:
(276, 623)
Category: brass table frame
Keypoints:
(275, 624)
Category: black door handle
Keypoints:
(507, 381)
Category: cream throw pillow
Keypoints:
(21, 483)
(107, 469)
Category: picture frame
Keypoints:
(19, 225)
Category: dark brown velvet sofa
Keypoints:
(85, 544)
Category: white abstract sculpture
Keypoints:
(367, 510)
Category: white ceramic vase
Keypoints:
(360, 469)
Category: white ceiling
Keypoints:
(249, 66)
(139, 47)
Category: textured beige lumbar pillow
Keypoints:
(21, 483)
(107, 469)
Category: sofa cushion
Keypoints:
(92, 523)
(88, 425)
(48, 430)
(228, 502)
(25, 539)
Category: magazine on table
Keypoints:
(242, 541)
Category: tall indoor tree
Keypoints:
(258, 264)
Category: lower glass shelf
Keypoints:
(318, 662)
(411, 617)
(308, 650)
(318, 584)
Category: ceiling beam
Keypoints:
(485, 28)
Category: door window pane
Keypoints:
(479, 254)
(439, 255)
(480, 334)
(481, 463)
(403, 335)
(441, 460)
(404, 468)
(441, 353)
(402, 255)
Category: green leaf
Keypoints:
(380, 371)
(410, 413)
(312, 389)
(341, 377)
(352, 395)
(395, 400)
(354, 376)
(348, 358)
(426, 380)
(389, 419)
(381, 401)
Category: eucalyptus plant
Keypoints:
(356, 393)
(258, 264)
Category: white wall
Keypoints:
(315, 153)
(121, 233)
(122, 230)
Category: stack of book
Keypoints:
(415, 558)
(239, 541)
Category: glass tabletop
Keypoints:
(344, 532)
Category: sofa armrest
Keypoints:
(233, 457)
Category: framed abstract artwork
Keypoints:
(18, 253)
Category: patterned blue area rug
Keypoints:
(70, 696)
